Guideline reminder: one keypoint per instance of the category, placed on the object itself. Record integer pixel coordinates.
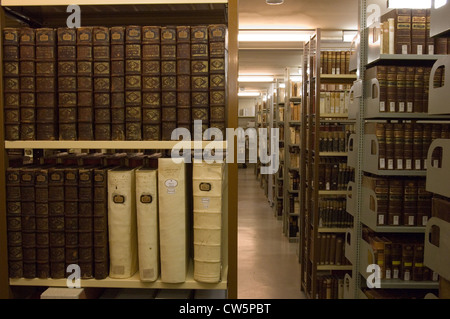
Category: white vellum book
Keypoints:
(208, 188)
(147, 223)
(173, 221)
(122, 223)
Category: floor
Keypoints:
(268, 265)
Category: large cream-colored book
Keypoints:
(173, 220)
(147, 223)
(122, 227)
(208, 189)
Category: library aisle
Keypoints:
(268, 265)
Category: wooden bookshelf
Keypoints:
(53, 14)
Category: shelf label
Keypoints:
(401, 106)
(409, 107)
(408, 163)
(418, 166)
(382, 106)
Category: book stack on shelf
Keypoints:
(116, 83)
(116, 216)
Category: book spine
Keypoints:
(88, 223)
(418, 263)
(217, 37)
(408, 146)
(133, 83)
(424, 199)
(100, 206)
(399, 142)
(27, 199)
(46, 89)
(27, 83)
(147, 223)
(101, 82)
(14, 223)
(401, 89)
(403, 31)
(391, 89)
(11, 58)
(57, 235)
(381, 138)
(440, 46)
(183, 71)
(395, 208)
(417, 146)
(173, 221)
(117, 40)
(410, 203)
(409, 88)
(381, 189)
(151, 83)
(418, 31)
(67, 84)
(426, 87)
(71, 220)
(122, 223)
(390, 145)
(42, 230)
(208, 185)
(419, 89)
(85, 95)
(200, 84)
(392, 35)
(426, 141)
(381, 74)
(168, 81)
(407, 261)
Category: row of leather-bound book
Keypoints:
(114, 216)
(112, 83)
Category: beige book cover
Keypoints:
(122, 223)
(173, 220)
(208, 189)
(147, 223)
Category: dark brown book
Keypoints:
(410, 203)
(381, 138)
(395, 208)
(57, 236)
(396, 255)
(67, 84)
(417, 152)
(390, 146)
(440, 45)
(117, 36)
(391, 89)
(418, 263)
(407, 261)
(14, 223)
(399, 142)
(426, 88)
(418, 31)
(418, 89)
(42, 223)
(408, 146)
(381, 188)
(401, 88)
(426, 141)
(71, 215)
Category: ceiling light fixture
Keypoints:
(255, 78)
(409, 4)
(274, 35)
(249, 94)
(274, 2)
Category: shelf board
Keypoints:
(396, 172)
(133, 282)
(403, 58)
(397, 229)
(334, 267)
(338, 76)
(331, 230)
(403, 116)
(343, 192)
(333, 153)
(333, 115)
(407, 284)
(111, 144)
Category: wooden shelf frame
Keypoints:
(229, 274)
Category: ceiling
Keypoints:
(273, 58)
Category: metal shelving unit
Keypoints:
(365, 160)
(53, 14)
(311, 155)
